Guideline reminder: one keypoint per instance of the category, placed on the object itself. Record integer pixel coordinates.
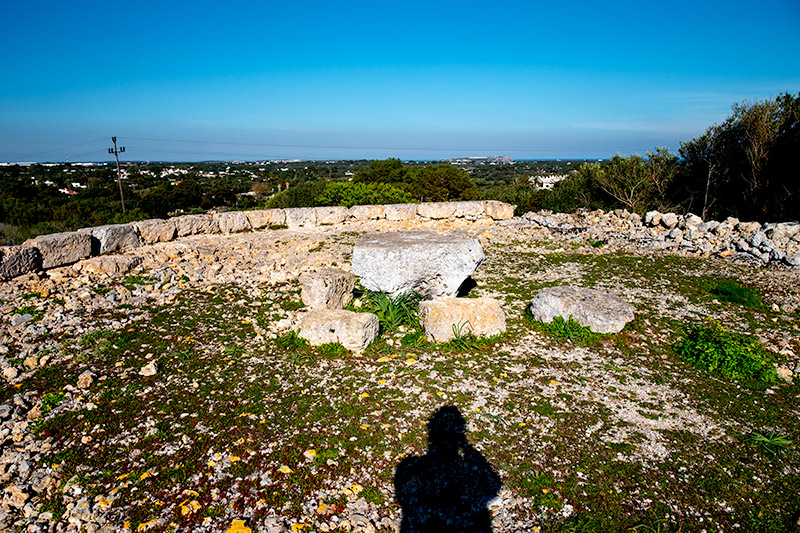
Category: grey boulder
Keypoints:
(601, 311)
(423, 261)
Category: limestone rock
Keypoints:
(300, 216)
(232, 222)
(111, 264)
(367, 212)
(155, 230)
(669, 220)
(10, 373)
(352, 330)
(470, 210)
(498, 210)
(85, 380)
(59, 249)
(334, 214)
(263, 218)
(397, 212)
(196, 225)
(328, 288)
(652, 218)
(149, 369)
(112, 238)
(17, 260)
(436, 210)
(432, 264)
(601, 311)
(442, 318)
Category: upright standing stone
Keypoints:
(327, 288)
(432, 264)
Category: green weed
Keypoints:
(565, 330)
(402, 310)
(771, 443)
(727, 354)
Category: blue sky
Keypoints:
(425, 80)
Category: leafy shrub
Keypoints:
(402, 310)
(727, 354)
(731, 292)
(349, 194)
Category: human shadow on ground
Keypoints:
(448, 488)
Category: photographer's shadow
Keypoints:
(448, 488)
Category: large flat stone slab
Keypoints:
(352, 330)
(155, 230)
(58, 249)
(263, 218)
(112, 238)
(196, 225)
(441, 319)
(601, 311)
(423, 261)
(232, 221)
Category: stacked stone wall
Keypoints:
(62, 249)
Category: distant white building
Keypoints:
(547, 182)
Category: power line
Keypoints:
(60, 149)
(344, 147)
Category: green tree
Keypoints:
(438, 183)
(389, 171)
(349, 194)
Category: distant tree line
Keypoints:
(384, 182)
(746, 167)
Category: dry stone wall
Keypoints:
(764, 243)
(62, 249)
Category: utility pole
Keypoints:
(119, 174)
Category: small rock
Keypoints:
(327, 288)
(149, 369)
(21, 319)
(10, 373)
(85, 380)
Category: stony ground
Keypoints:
(173, 397)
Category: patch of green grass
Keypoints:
(727, 354)
(29, 310)
(292, 341)
(565, 330)
(51, 400)
(332, 350)
(291, 305)
(729, 291)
